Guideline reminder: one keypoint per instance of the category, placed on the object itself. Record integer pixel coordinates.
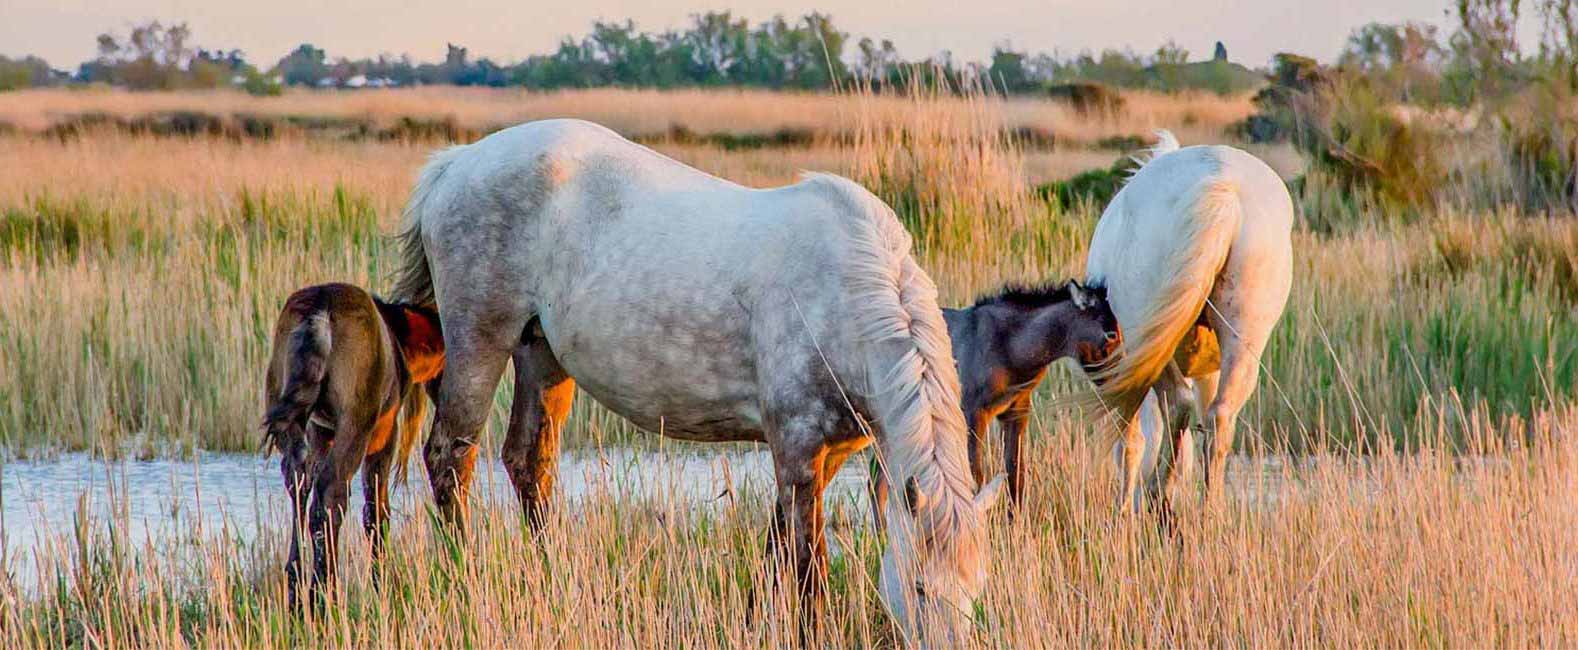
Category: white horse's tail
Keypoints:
(413, 281)
(1214, 215)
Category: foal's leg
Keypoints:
(1177, 409)
(298, 474)
(543, 395)
(877, 492)
(980, 422)
(375, 491)
(1014, 420)
(353, 431)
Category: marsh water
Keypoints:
(237, 496)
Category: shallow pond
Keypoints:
(41, 500)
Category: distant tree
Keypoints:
(717, 46)
(156, 57)
(28, 72)
(1008, 70)
(304, 66)
(1170, 53)
(877, 61)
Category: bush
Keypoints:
(259, 85)
(1088, 98)
(1095, 187)
(1539, 139)
(443, 129)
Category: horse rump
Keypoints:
(306, 361)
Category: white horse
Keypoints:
(1195, 253)
(704, 311)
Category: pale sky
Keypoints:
(63, 31)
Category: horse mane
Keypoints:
(908, 364)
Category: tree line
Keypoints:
(714, 49)
(1410, 60)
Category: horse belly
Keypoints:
(685, 375)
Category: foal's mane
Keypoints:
(1021, 295)
(1035, 296)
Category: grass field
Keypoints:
(1416, 399)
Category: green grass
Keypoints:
(125, 332)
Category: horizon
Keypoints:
(63, 33)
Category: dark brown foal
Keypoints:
(1003, 345)
(343, 365)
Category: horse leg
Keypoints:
(1176, 409)
(474, 362)
(352, 432)
(800, 452)
(1242, 337)
(980, 422)
(877, 492)
(1129, 495)
(375, 487)
(298, 474)
(543, 395)
(1238, 382)
(1014, 420)
(796, 536)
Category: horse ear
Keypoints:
(1082, 298)
(987, 497)
(913, 499)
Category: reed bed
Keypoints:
(1406, 477)
(1197, 116)
(1443, 547)
(139, 277)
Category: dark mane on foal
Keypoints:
(1034, 296)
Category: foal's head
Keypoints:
(1051, 322)
(1091, 333)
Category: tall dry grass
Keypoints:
(1407, 476)
(139, 276)
(1201, 116)
(1426, 549)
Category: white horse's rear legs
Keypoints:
(1178, 406)
(1240, 371)
(1129, 496)
(543, 395)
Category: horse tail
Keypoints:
(1166, 143)
(413, 281)
(1213, 215)
(413, 411)
(306, 363)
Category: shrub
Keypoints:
(1094, 187)
(1088, 98)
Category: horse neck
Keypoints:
(1032, 338)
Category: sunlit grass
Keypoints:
(1406, 476)
(1427, 548)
